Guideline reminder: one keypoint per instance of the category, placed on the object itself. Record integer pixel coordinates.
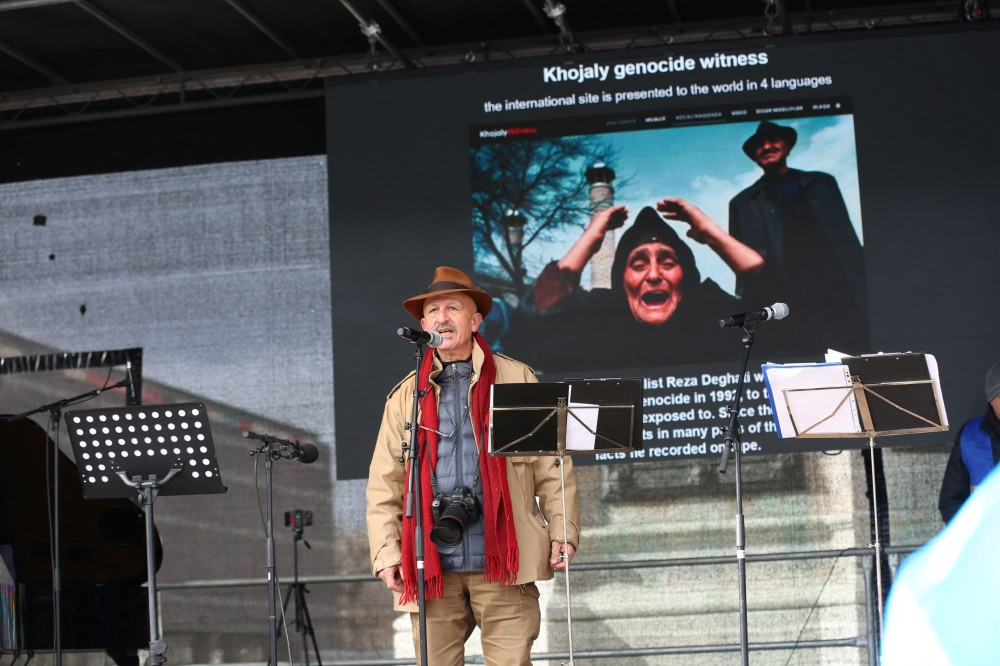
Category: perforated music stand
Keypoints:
(882, 394)
(152, 450)
(556, 419)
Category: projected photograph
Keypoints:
(624, 241)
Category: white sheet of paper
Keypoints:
(932, 366)
(819, 410)
(578, 438)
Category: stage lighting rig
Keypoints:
(975, 10)
(557, 12)
(774, 10)
(371, 30)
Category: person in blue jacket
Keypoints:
(975, 453)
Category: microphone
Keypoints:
(776, 311)
(416, 336)
(305, 454)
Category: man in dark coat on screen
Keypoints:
(813, 260)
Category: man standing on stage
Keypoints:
(497, 526)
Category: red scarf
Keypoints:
(498, 516)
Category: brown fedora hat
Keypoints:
(448, 280)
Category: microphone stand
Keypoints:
(733, 442)
(271, 450)
(413, 500)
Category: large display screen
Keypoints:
(617, 206)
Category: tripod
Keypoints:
(298, 591)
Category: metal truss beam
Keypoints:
(276, 81)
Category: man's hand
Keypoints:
(392, 577)
(562, 554)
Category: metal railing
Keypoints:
(868, 640)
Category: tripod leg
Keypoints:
(307, 629)
(300, 620)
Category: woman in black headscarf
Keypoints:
(657, 309)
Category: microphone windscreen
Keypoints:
(309, 453)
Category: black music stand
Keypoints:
(881, 394)
(150, 450)
(534, 419)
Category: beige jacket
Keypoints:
(537, 522)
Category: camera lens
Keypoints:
(450, 526)
(447, 533)
(452, 512)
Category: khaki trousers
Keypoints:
(508, 619)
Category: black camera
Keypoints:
(452, 512)
(298, 519)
